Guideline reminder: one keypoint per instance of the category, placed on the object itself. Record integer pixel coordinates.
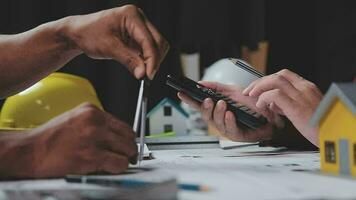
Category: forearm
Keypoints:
(16, 155)
(27, 57)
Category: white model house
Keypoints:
(167, 116)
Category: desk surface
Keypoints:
(253, 173)
(249, 173)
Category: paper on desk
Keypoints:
(146, 151)
(253, 173)
(228, 144)
(165, 188)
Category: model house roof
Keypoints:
(172, 103)
(346, 92)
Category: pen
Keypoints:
(141, 113)
(130, 183)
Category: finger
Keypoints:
(230, 123)
(218, 87)
(110, 141)
(274, 108)
(219, 115)
(120, 127)
(112, 163)
(188, 100)
(206, 109)
(302, 84)
(290, 76)
(273, 82)
(212, 85)
(236, 134)
(233, 132)
(279, 98)
(161, 43)
(247, 90)
(124, 133)
(130, 58)
(138, 31)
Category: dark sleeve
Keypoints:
(290, 138)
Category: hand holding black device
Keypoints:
(198, 92)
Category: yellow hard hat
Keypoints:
(48, 98)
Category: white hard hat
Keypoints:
(231, 71)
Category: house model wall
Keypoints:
(167, 116)
(336, 122)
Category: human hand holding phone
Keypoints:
(225, 121)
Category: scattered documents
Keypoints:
(228, 144)
(164, 187)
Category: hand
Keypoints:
(225, 121)
(82, 141)
(288, 94)
(123, 34)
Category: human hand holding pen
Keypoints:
(81, 141)
(124, 34)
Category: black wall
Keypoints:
(315, 38)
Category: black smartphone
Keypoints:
(244, 115)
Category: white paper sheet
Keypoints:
(253, 173)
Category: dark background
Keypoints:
(314, 38)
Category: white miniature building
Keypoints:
(167, 116)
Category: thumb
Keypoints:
(219, 87)
(131, 59)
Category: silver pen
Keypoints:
(140, 115)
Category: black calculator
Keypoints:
(244, 115)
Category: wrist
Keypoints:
(17, 155)
(63, 29)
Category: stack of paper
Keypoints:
(164, 186)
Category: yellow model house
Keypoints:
(336, 120)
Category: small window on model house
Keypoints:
(330, 155)
(168, 128)
(167, 111)
(354, 154)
